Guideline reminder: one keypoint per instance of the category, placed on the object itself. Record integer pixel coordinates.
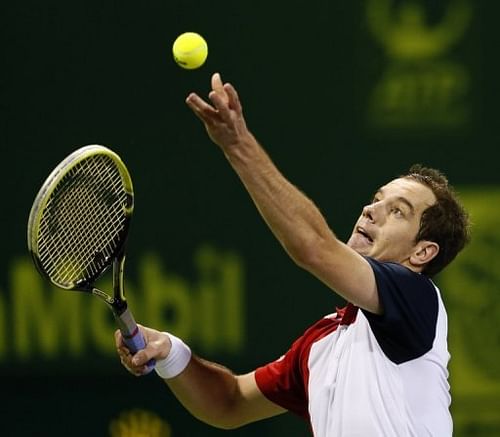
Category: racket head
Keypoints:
(80, 218)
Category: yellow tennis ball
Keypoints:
(190, 50)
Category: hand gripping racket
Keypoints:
(78, 226)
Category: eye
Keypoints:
(396, 211)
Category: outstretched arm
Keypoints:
(292, 217)
(210, 392)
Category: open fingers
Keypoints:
(218, 87)
(234, 100)
(202, 109)
(217, 83)
(221, 104)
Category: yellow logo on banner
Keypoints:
(421, 85)
(471, 291)
(206, 310)
(139, 423)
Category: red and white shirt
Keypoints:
(354, 373)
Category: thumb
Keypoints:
(141, 357)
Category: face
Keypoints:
(387, 227)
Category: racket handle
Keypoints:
(132, 336)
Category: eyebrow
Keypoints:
(400, 199)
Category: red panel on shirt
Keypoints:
(285, 380)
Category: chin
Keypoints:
(363, 251)
(359, 248)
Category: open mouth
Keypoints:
(364, 234)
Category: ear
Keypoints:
(424, 253)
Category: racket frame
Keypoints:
(118, 303)
(43, 197)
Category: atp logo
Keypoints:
(139, 423)
(423, 83)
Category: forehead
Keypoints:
(418, 194)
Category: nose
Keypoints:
(369, 212)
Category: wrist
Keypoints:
(242, 150)
(177, 359)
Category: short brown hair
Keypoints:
(445, 223)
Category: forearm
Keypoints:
(209, 392)
(293, 218)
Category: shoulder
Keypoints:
(407, 326)
(393, 280)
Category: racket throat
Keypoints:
(118, 282)
(104, 296)
(118, 306)
(117, 303)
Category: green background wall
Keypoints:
(343, 95)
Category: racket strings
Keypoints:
(86, 228)
(80, 215)
(83, 221)
(76, 219)
(69, 239)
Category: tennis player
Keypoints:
(378, 366)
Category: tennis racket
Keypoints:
(78, 227)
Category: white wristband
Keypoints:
(177, 359)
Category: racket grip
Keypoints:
(132, 336)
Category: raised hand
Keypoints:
(223, 118)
